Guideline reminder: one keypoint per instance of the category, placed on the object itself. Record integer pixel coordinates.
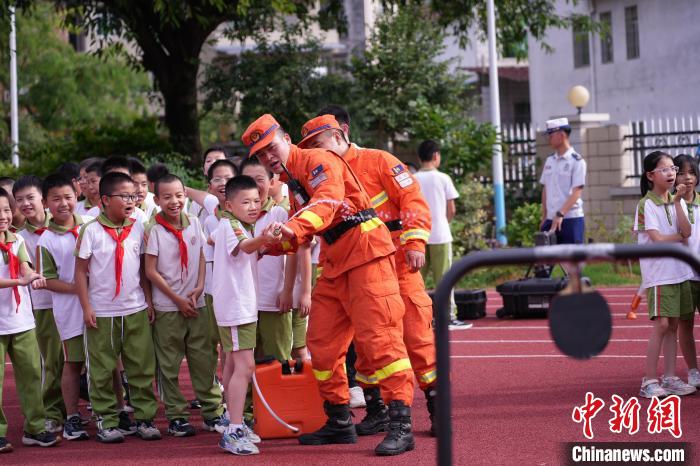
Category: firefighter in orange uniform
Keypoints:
(397, 198)
(357, 294)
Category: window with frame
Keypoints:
(632, 32)
(582, 56)
(606, 38)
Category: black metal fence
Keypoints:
(677, 135)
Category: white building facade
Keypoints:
(648, 65)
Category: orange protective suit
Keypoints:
(396, 195)
(357, 294)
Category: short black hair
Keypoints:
(254, 162)
(427, 149)
(7, 181)
(221, 163)
(136, 166)
(167, 178)
(94, 167)
(109, 182)
(215, 148)
(341, 115)
(6, 195)
(85, 163)
(239, 183)
(26, 181)
(116, 162)
(70, 170)
(55, 180)
(157, 171)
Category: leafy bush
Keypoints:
(523, 224)
(471, 226)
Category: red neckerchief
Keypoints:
(40, 231)
(13, 263)
(74, 230)
(180, 240)
(119, 253)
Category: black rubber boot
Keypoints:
(377, 418)
(430, 394)
(337, 429)
(400, 438)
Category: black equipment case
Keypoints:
(530, 297)
(471, 304)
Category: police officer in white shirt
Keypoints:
(563, 179)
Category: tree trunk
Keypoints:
(181, 117)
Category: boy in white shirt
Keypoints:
(120, 164)
(56, 247)
(17, 335)
(440, 193)
(235, 304)
(90, 174)
(27, 192)
(115, 310)
(175, 267)
(138, 174)
(276, 276)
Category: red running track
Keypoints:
(513, 394)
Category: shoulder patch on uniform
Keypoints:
(317, 180)
(317, 170)
(576, 156)
(398, 169)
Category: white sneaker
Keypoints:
(675, 386)
(456, 324)
(238, 443)
(357, 398)
(694, 378)
(651, 388)
(255, 438)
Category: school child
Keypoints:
(688, 176)
(119, 164)
(71, 170)
(117, 310)
(235, 304)
(182, 327)
(138, 174)
(27, 192)
(6, 183)
(660, 216)
(17, 334)
(56, 248)
(211, 155)
(154, 173)
(90, 174)
(301, 268)
(211, 203)
(275, 278)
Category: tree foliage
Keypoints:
(61, 90)
(287, 77)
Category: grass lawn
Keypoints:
(600, 274)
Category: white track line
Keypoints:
(543, 327)
(535, 356)
(612, 340)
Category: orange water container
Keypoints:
(291, 391)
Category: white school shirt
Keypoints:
(14, 319)
(270, 268)
(560, 175)
(41, 299)
(58, 262)
(694, 219)
(81, 208)
(138, 214)
(95, 244)
(654, 214)
(149, 206)
(164, 245)
(438, 188)
(209, 225)
(234, 284)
